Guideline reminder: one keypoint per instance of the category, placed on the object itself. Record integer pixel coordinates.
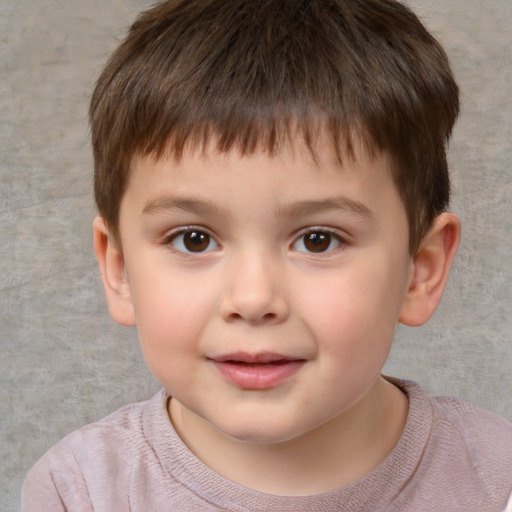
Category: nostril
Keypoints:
(256, 319)
(234, 316)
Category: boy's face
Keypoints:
(266, 290)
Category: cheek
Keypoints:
(165, 301)
(171, 316)
(168, 336)
(356, 310)
(169, 321)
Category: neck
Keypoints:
(333, 455)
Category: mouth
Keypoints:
(257, 371)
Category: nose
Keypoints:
(255, 291)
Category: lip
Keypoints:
(257, 371)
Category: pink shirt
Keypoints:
(452, 456)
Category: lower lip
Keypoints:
(258, 376)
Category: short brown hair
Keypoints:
(247, 71)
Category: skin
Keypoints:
(258, 286)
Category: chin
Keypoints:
(261, 433)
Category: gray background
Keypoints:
(65, 363)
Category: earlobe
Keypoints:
(113, 274)
(431, 267)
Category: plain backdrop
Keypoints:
(65, 363)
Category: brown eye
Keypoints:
(193, 241)
(317, 242)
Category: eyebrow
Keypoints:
(345, 204)
(164, 204)
(295, 209)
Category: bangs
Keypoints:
(254, 75)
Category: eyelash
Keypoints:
(205, 242)
(201, 234)
(320, 232)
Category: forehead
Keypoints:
(288, 180)
(315, 159)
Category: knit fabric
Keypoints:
(452, 456)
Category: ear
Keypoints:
(113, 274)
(430, 270)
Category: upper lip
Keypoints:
(259, 358)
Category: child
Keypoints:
(272, 187)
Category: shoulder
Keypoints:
(485, 436)
(111, 438)
(467, 454)
(472, 418)
(90, 460)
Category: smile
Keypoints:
(257, 371)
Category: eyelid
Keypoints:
(339, 235)
(182, 230)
